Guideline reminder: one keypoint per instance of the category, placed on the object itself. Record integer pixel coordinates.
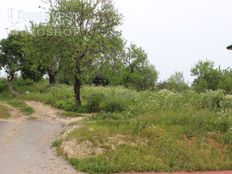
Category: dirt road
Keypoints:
(25, 146)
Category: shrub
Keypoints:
(212, 99)
(67, 105)
(114, 105)
(94, 102)
(228, 137)
(3, 85)
(224, 120)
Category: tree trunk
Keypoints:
(10, 87)
(77, 90)
(52, 79)
(77, 81)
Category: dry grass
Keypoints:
(4, 112)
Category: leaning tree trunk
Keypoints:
(10, 87)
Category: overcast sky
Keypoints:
(174, 33)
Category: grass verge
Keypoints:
(4, 112)
(165, 142)
(18, 104)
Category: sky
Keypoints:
(176, 34)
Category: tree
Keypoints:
(139, 73)
(11, 56)
(207, 76)
(225, 82)
(93, 27)
(175, 82)
(110, 68)
(44, 51)
(30, 69)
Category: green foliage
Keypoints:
(12, 57)
(95, 37)
(21, 105)
(139, 74)
(107, 99)
(17, 103)
(228, 137)
(165, 141)
(208, 77)
(56, 143)
(43, 52)
(57, 96)
(175, 82)
(114, 105)
(165, 155)
(68, 105)
(71, 114)
(3, 85)
(161, 128)
(170, 128)
(225, 82)
(11, 53)
(94, 102)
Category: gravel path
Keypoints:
(25, 146)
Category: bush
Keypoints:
(94, 102)
(114, 105)
(3, 85)
(67, 105)
(228, 137)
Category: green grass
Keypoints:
(4, 112)
(159, 157)
(21, 105)
(70, 114)
(165, 131)
(18, 104)
(166, 144)
(177, 132)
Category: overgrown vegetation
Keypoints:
(157, 130)
(16, 102)
(174, 132)
(19, 104)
